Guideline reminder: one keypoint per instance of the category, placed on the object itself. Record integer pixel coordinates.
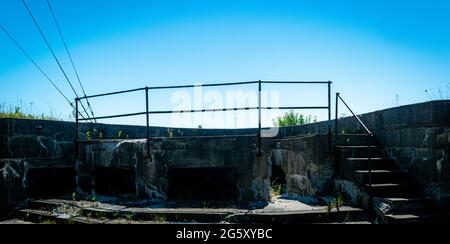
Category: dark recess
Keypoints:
(215, 183)
(278, 178)
(50, 182)
(110, 180)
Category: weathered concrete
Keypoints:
(12, 184)
(30, 145)
(36, 139)
(308, 166)
(417, 136)
(238, 152)
(282, 210)
(23, 138)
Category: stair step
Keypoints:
(14, 222)
(352, 223)
(357, 147)
(416, 218)
(345, 214)
(399, 201)
(393, 190)
(360, 151)
(45, 204)
(352, 134)
(387, 206)
(47, 217)
(355, 140)
(175, 215)
(39, 216)
(382, 176)
(363, 163)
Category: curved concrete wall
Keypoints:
(416, 135)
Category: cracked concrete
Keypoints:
(417, 136)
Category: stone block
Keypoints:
(12, 189)
(410, 137)
(4, 127)
(441, 113)
(4, 152)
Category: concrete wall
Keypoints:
(238, 152)
(36, 139)
(308, 166)
(416, 135)
(21, 138)
(30, 146)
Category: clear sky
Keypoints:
(375, 52)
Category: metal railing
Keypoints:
(148, 112)
(369, 135)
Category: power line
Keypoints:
(54, 55)
(38, 67)
(70, 57)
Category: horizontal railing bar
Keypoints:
(296, 82)
(113, 93)
(117, 116)
(287, 108)
(230, 109)
(357, 118)
(170, 87)
(201, 111)
(204, 85)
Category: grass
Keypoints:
(275, 190)
(48, 222)
(22, 112)
(336, 203)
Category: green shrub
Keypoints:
(292, 118)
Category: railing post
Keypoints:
(259, 118)
(147, 115)
(369, 158)
(336, 120)
(76, 129)
(329, 116)
(336, 143)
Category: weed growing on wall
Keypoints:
(292, 118)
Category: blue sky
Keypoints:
(373, 51)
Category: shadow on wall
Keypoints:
(202, 184)
(308, 166)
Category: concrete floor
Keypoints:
(283, 208)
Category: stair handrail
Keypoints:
(369, 137)
(354, 115)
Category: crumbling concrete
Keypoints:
(308, 165)
(239, 152)
(417, 136)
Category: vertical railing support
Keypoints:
(369, 158)
(259, 118)
(336, 137)
(77, 125)
(336, 120)
(147, 115)
(329, 116)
